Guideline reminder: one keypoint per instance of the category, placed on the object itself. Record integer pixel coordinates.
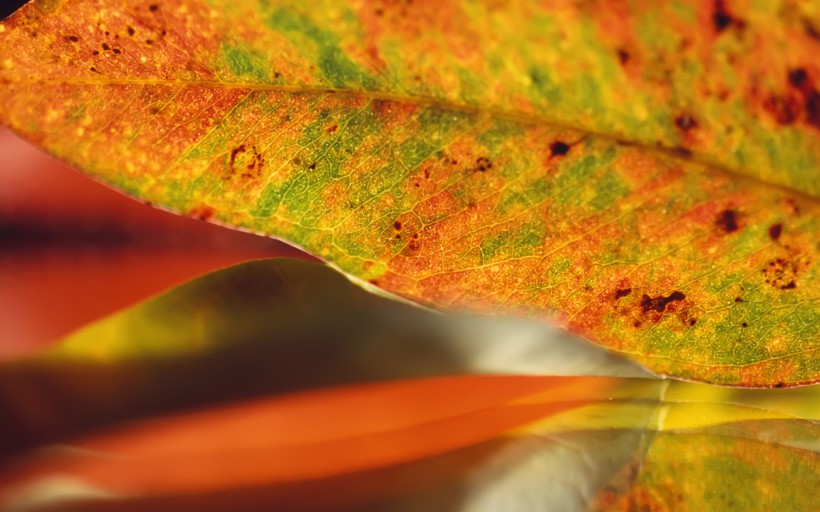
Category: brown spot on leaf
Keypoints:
(149, 42)
(784, 109)
(660, 303)
(775, 230)
(203, 212)
(105, 47)
(73, 39)
(811, 31)
(744, 324)
(397, 226)
(623, 292)
(483, 164)
(685, 122)
(692, 321)
(332, 128)
(738, 299)
(798, 78)
(246, 161)
(312, 166)
(131, 31)
(813, 109)
(559, 148)
(623, 56)
(781, 273)
(727, 221)
(722, 18)
(153, 7)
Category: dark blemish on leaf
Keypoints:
(623, 292)
(277, 75)
(105, 47)
(727, 221)
(247, 161)
(744, 324)
(312, 166)
(483, 164)
(723, 19)
(235, 151)
(73, 39)
(131, 31)
(636, 323)
(775, 230)
(93, 69)
(397, 226)
(623, 56)
(559, 148)
(781, 273)
(692, 321)
(659, 303)
(116, 51)
(107, 33)
(426, 173)
(685, 122)
(798, 78)
(332, 128)
(153, 111)
(780, 385)
(810, 30)
(149, 42)
(784, 109)
(379, 12)
(414, 243)
(813, 109)
(95, 52)
(738, 299)
(202, 212)
(791, 203)
(153, 7)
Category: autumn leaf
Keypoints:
(644, 175)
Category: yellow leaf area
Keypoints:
(644, 176)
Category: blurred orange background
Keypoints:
(73, 250)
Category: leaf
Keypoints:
(264, 327)
(456, 155)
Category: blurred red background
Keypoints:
(73, 250)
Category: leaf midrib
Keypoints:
(424, 101)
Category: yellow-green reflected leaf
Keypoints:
(454, 154)
(724, 469)
(269, 326)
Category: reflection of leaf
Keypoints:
(725, 468)
(464, 442)
(390, 453)
(454, 154)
